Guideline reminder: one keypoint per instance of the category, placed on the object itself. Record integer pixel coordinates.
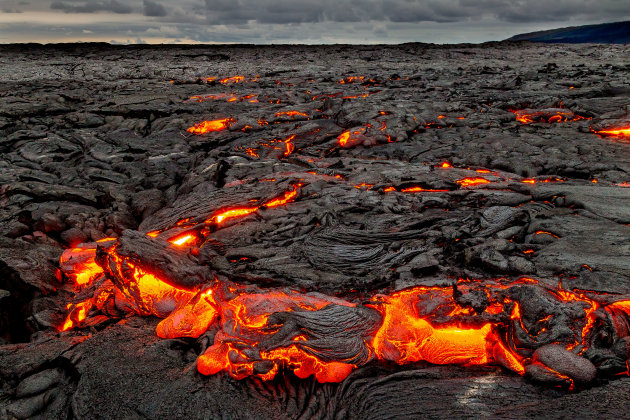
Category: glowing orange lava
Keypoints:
(406, 337)
(234, 79)
(289, 145)
(287, 197)
(420, 189)
(209, 126)
(233, 213)
(78, 313)
(534, 181)
(471, 182)
(83, 260)
(417, 324)
(183, 240)
(228, 97)
(615, 132)
(222, 216)
(350, 138)
(260, 332)
(351, 79)
(252, 152)
(528, 116)
(291, 114)
(542, 232)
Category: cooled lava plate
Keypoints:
(314, 231)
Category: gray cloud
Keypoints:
(228, 12)
(295, 11)
(154, 9)
(304, 21)
(91, 6)
(13, 6)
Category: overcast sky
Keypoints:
(294, 21)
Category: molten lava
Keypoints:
(471, 182)
(260, 332)
(77, 314)
(351, 79)
(407, 337)
(234, 79)
(209, 126)
(290, 147)
(291, 114)
(534, 181)
(182, 240)
(614, 132)
(420, 189)
(252, 152)
(228, 97)
(287, 197)
(83, 259)
(542, 232)
(233, 213)
(552, 115)
(350, 138)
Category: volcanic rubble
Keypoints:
(314, 231)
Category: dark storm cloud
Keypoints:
(559, 10)
(301, 21)
(300, 11)
(152, 8)
(226, 12)
(91, 6)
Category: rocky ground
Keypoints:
(94, 141)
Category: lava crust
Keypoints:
(314, 231)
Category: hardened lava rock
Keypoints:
(342, 175)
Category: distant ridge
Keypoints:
(605, 33)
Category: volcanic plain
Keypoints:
(324, 182)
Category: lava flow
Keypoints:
(614, 132)
(534, 180)
(551, 115)
(209, 126)
(292, 114)
(227, 97)
(290, 147)
(421, 189)
(550, 335)
(351, 138)
(471, 182)
(233, 79)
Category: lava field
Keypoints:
(324, 232)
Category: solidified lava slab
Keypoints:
(348, 174)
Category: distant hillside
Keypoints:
(605, 33)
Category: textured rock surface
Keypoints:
(93, 141)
